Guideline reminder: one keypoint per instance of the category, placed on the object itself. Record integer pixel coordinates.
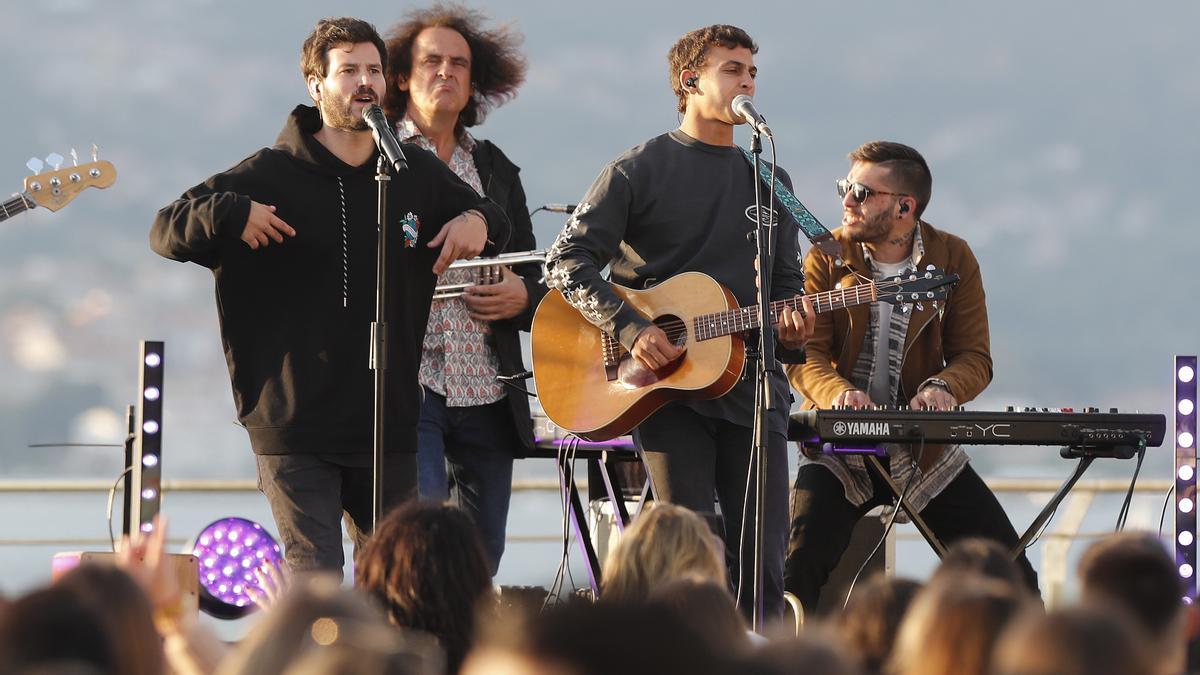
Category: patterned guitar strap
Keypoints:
(820, 237)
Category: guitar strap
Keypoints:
(817, 233)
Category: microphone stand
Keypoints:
(379, 337)
(765, 366)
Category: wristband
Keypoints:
(937, 382)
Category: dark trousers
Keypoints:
(822, 521)
(690, 458)
(311, 493)
(477, 444)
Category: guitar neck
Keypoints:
(719, 324)
(19, 203)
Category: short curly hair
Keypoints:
(497, 66)
(314, 55)
(691, 51)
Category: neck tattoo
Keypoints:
(905, 239)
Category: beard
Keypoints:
(871, 230)
(340, 116)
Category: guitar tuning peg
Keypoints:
(930, 268)
(904, 308)
(55, 160)
(920, 307)
(35, 165)
(95, 151)
(74, 157)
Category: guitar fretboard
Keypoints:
(719, 324)
(932, 285)
(17, 204)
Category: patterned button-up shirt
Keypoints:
(456, 360)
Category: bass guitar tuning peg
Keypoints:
(55, 160)
(35, 165)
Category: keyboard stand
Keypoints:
(601, 457)
(914, 516)
(1086, 455)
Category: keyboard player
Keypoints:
(927, 358)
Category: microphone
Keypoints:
(559, 208)
(523, 375)
(743, 106)
(385, 138)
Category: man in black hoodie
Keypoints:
(290, 236)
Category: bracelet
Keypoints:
(937, 382)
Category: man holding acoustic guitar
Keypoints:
(679, 204)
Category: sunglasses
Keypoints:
(861, 193)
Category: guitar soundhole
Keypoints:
(633, 375)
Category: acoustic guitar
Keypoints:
(591, 386)
(55, 189)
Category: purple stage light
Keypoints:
(229, 551)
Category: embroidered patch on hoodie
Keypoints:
(412, 229)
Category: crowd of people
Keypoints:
(422, 603)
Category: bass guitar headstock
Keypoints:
(56, 188)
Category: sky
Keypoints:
(1062, 139)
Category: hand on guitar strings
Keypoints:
(653, 349)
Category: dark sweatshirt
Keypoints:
(668, 206)
(296, 316)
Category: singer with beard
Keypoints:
(290, 236)
(681, 202)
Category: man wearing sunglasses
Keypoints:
(925, 357)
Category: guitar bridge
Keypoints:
(611, 355)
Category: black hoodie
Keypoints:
(296, 316)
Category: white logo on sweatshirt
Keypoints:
(752, 215)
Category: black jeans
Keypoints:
(310, 493)
(822, 521)
(690, 457)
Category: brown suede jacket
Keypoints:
(950, 342)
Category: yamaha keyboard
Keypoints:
(1085, 436)
(845, 427)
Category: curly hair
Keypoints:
(425, 564)
(497, 66)
(314, 54)
(691, 51)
